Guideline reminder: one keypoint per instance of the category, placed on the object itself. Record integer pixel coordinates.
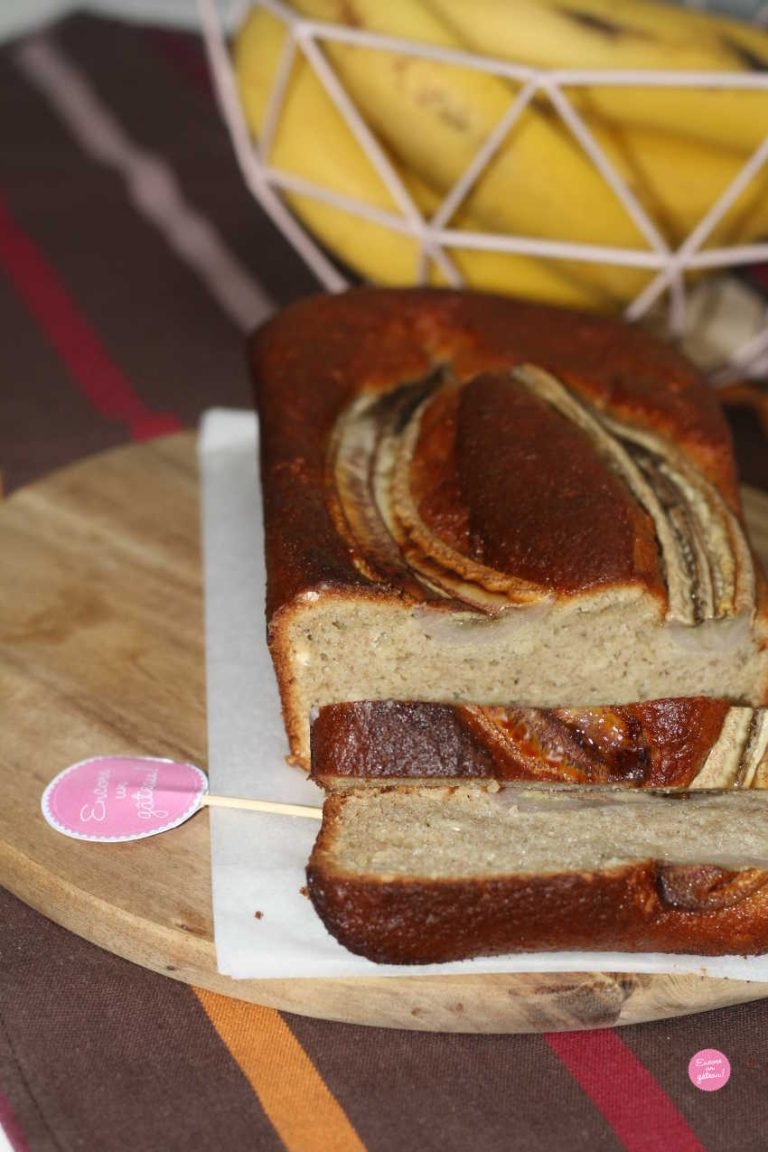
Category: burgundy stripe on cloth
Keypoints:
(736, 1116)
(150, 184)
(74, 193)
(80, 349)
(631, 1100)
(10, 1126)
(453, 1092)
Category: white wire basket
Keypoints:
(667, 299)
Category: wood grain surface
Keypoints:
(101, 651)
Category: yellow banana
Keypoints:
(748, 41)
(434, 117)
(678, 180)
(682, 26)
(504, 272)
(628, 34)
(624, 34)
(314, 142)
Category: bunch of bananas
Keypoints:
(677, 149)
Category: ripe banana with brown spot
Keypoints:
(677, 177)
(629, 34)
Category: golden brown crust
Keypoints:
(656, 744)
(641, 907)
(317, 356)
(625, 909)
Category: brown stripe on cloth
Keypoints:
(52, 424)
(453, 1093)
(185, 52)
(96, 1053)
(295, 1097)
(152, 316)
(171, 114)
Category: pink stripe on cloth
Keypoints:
(81, 351)
(630, 1099)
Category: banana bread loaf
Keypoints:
(469, 499)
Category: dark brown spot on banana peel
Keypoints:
(429, 97)
(604, 27)
(350, 16)
(435, 98)
(748, 59)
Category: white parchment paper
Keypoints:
(258, 860)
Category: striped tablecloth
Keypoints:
(133, 262)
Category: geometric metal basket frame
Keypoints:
(434, 237)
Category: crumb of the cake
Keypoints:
(304, 890)
(258, 915)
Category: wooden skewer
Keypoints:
(275, 806)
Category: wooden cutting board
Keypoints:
(101, 651)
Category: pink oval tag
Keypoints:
(114, 798)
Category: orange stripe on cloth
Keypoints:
(306, 1116)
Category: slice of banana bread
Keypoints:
(680, 743)
(419, 875)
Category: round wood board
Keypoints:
(101, 651)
